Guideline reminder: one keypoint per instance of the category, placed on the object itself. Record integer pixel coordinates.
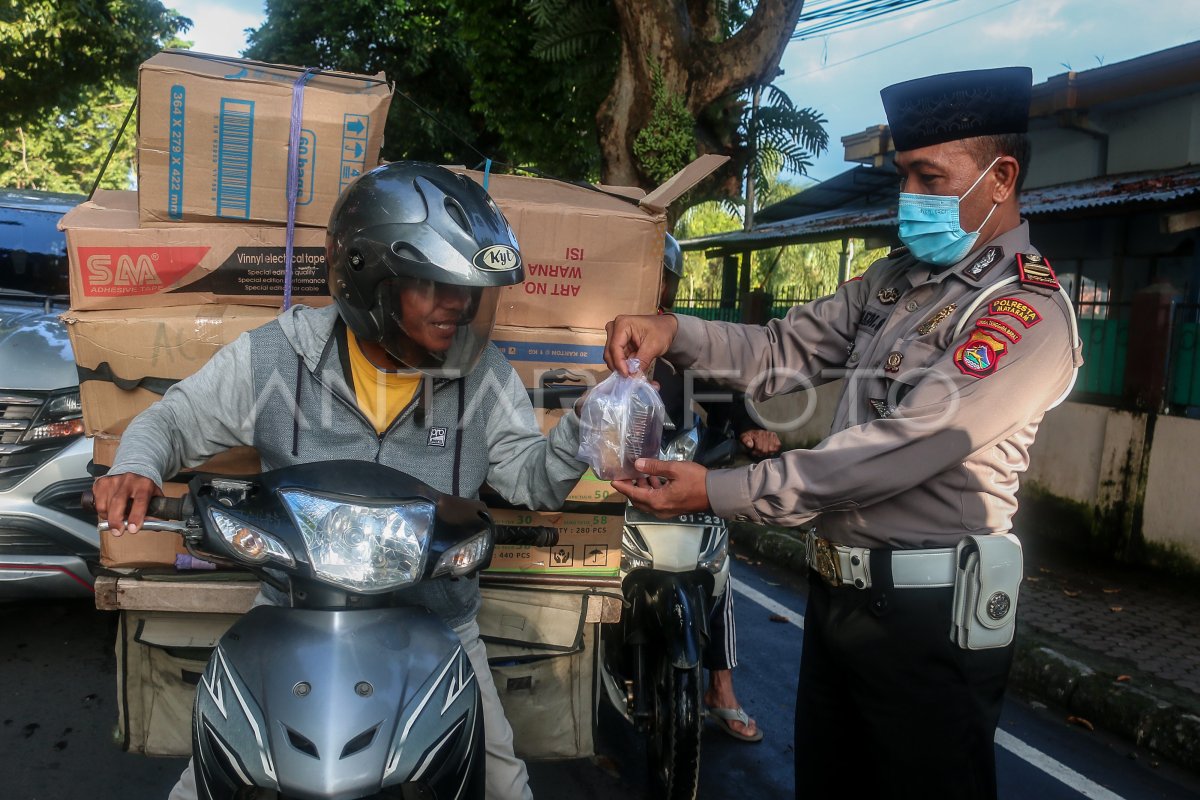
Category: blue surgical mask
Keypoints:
(930, 228)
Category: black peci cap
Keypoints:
(958, 105)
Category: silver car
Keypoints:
(46, 540)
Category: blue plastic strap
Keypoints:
(487, 170)
(293, 179)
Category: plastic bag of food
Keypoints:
(620, 422)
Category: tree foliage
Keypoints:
(68, 72)
(783, 135)
(467, 64)
(568, 86)
(666, 144)
(62, 149)
(54, 53)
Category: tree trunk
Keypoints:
(681, 38)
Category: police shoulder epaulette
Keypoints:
(1035, 273)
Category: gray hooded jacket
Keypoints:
(281, 388)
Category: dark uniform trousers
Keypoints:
(921, 728)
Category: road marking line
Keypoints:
(1053, 768)
(1031, 755)
(768, 603)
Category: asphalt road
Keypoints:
(58, 717)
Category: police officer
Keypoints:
(952, 349)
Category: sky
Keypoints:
(841, 75)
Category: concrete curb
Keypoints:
(1054, 672)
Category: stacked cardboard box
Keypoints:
(589, 255)
(213, 138)
(163, 277)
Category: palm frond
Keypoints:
(569, 30)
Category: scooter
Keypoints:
(671, 570)
(344, 694)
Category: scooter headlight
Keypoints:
(367, 548)
(250, 543)
(683, 447)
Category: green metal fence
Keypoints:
(1105, 342)
(711, 308)
(1183, 388)
(707, 308)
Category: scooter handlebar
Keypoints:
(532, 535)
(161, 507)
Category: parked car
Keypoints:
(46, 540)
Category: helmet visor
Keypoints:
(437, 328)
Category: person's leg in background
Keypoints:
(720, 657)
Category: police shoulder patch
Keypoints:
(1035, 271)
(999, 326)
(1017, 308)
(980, 355)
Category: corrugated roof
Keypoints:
(1160, 186)
(1145, 187)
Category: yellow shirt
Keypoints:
(382, 394)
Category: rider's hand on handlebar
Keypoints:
(116, 493)
(643, 336)
(672, 488)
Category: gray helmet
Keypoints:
(673, 257)
(412, 235)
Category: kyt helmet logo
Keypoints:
(497, 258)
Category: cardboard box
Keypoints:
(535, 351)
(213, 138)
(235, 461)
(589, 255)
(588, 544)
(117, 264)
(128, 359)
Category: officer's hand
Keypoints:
(644, 336)
(760, 443)
(116, 493)
(672, 488)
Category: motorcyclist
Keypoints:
(720, 657)
(399, 370)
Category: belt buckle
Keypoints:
(824, 559)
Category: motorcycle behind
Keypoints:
(355, 690)
(671, 571)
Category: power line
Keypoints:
(876, 20)
(845, 14)
(908, 39)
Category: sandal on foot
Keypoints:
(724, 716)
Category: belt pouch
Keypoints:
(985, 591)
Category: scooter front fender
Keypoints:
(675, 605)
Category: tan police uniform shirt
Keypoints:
(932, 429)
